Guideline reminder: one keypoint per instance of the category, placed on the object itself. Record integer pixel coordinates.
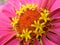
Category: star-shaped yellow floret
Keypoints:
(39, 28)
(44, 15)
(37, 25)
(14, 22)
(39, 33)
(25, 7)
(18, 35)
(26, 34)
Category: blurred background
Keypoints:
(2, 1)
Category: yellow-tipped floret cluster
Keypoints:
(44, 15)
(37, 25)
(14, 22)
(25, 7)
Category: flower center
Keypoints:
(27, 19)
(30, 22)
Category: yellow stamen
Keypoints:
(14, 22)
(37, 25)
(44, 15)
(39, 33)
(26, 34)
(39, 28)
(33, 7)
(18, 35)
(25, 7)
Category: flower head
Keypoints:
(30, 22)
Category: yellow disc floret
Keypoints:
(25, 7)
(39, 28)
(37, 25)
(26, 34)
(44, 15)
(14, 22)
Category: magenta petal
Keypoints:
(43, 3)
(35, 2)
(23, 1)
(4, 17)
(39, 3)
(5, 28)
(50, 4)
(56, 30)
(1, 7)
(14, 42)
(5, 36)
(15, 3)
(5, 32)
(5, 24)
(55, 23)
(54, 37)
(47, 42)
(4, 21)
(55, 14)
(8, 10)
(29, 1)
(37, 42)
(56, 5)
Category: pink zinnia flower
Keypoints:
(30, 22)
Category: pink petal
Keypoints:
(15, 3)
(37, 42)
(29, 2)
(43, 3)
(4, 17)
(55, 23)
(55, 14)
(56, 30)
(50, 4)
(35, 2)
(56, 5)
(14, 42)
(5, 24)
(54, 37)
(9, 7)
(4, 21)
(8, 10)
(23, 1)
(1, 7)
(5, 36)
(47, 42)
(39, 3)
(5, 28)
